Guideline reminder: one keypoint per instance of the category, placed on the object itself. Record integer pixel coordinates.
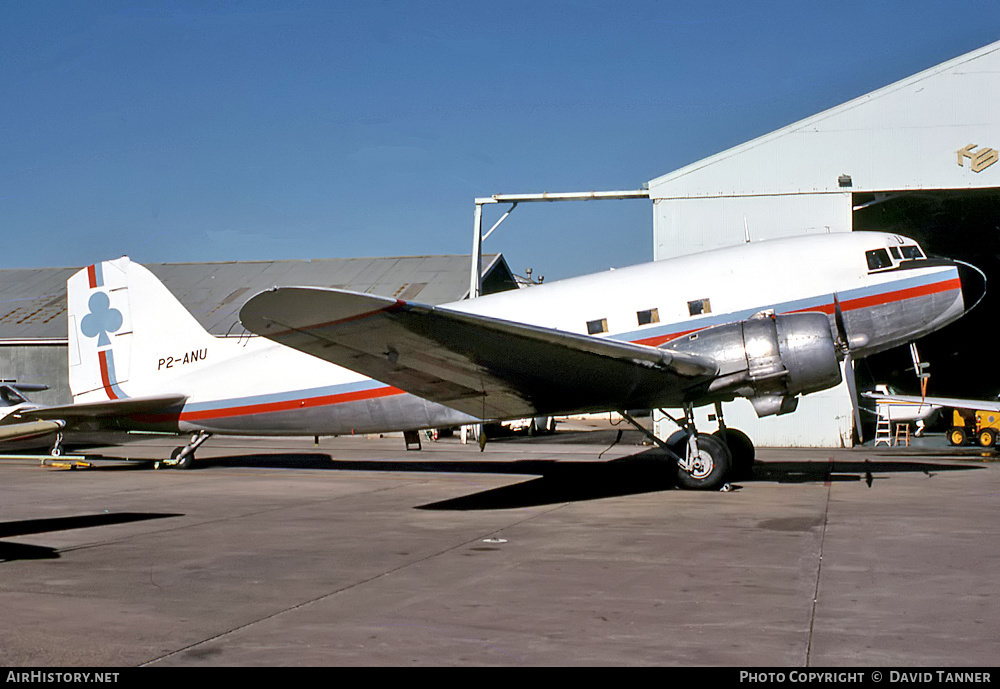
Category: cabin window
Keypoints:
(597, 327)
(895, 252)
(877, 259)
(912, 252)
(699, 306)
(647, 317)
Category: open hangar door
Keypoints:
(963, 358)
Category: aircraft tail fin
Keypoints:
(129, 336)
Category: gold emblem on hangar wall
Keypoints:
(978, 160)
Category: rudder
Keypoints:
(125, 330)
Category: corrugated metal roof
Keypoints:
(33, 301)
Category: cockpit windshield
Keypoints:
(878, 259)
(892, 257)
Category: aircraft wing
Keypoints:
(950, 402)
(33, 422)
(487, 367)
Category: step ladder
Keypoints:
(883, 432)
(902, 432)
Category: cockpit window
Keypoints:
(877, 259)
(911, 252)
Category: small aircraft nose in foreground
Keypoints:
(768, 321)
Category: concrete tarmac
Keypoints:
(543, 552)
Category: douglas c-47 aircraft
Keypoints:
(768, 321)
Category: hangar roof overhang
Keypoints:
(939, 129)
(33, 301)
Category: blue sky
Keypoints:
(196, 131)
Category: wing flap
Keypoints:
(487, 367)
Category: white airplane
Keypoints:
(915, 405)
(895, 408)
(768, 321)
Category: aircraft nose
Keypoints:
(973, 284)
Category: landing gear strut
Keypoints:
(704, 461)
(57, 448)
(182, 457)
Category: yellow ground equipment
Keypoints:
(981, 426)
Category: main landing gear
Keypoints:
(182, 457)
(705, 461)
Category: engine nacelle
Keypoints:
(769, 359)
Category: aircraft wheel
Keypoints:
(184, 463)
(710, 468)
(957, 436)
(987, 437)
(742, 450)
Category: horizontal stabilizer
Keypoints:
(107, 408)
(487, 367)
(29, 429)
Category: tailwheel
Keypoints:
(181, 462)
(706, 463)
(183, 456)
(742, 450)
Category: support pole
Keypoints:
(475, 283)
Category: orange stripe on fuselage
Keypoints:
(389, 391)
(288, 405)
(849, 305)
(909, 293)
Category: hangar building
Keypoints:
(33, 338)
(918, 157)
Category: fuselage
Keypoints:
(254, 386)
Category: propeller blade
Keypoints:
(852, 388)
(838, 317)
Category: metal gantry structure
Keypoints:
(475, 284)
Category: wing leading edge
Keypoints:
(950, 402)
(486, 367)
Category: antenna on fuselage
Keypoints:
(746, 229)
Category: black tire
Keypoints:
(712, 467)
(957, 436)
(742, 451)
(186, 462)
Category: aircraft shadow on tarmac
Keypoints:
(560, 481)
(25, 527)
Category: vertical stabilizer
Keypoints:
(128, 335)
